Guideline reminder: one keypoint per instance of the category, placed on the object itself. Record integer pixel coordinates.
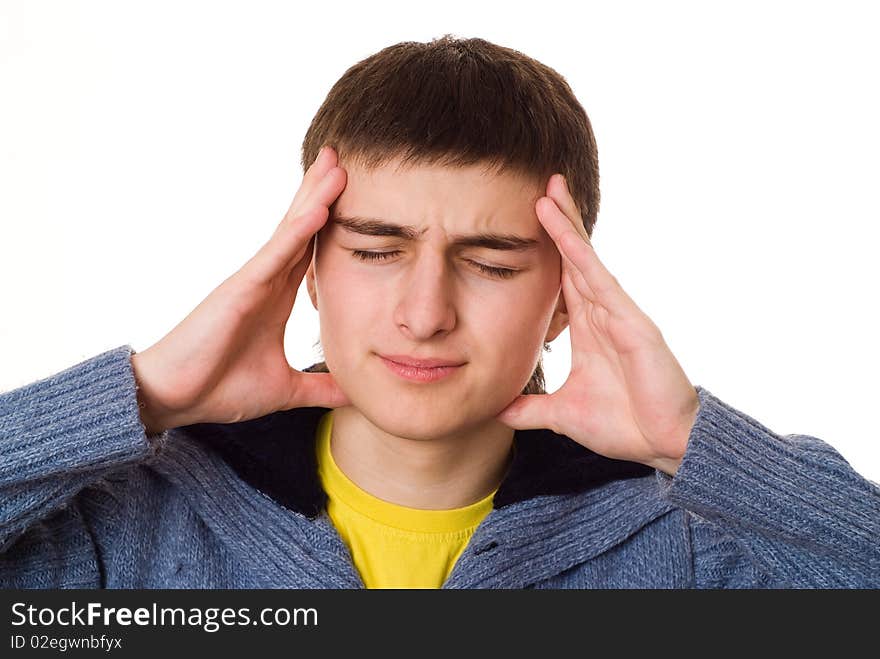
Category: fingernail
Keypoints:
(564, 182)
(320, 153)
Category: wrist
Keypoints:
(151, 426)
(669, 464)
(153, 422)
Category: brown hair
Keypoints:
(458, 102)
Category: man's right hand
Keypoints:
(225, 361)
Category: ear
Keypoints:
(559, 321)
(310, 283)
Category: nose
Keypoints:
(426, 306)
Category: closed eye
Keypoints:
(502, 273)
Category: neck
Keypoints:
(437, 474)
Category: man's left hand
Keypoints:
(627, 397)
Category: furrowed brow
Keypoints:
(369, 226)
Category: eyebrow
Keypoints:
(370, 226)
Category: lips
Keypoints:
(416, 371)
(416, 362)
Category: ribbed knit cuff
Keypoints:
(81, 419)
(739, 472)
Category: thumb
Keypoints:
(315, 390)
(528, 412)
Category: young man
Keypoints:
(442, 248)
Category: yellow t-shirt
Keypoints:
(394, 546)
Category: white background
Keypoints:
(147, 150)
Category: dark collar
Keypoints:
(276, 455)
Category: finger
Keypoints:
(581, 254)
(577, 279)
(315, 390)
(558, 191)
(529, 412)
(288, 244)
(585, 339)
(576, 299)
(298, 272)
(326, 160)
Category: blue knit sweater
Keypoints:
(87, 500)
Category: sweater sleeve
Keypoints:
(64, 433)
(770, 510)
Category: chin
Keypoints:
(409, 423)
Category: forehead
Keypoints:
(458, 198)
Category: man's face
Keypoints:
(429, 297)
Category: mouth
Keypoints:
(421, 370)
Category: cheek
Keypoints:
(337, 282)
(521, 303)
(514, 321)
(342, 304)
